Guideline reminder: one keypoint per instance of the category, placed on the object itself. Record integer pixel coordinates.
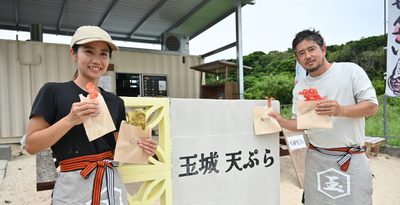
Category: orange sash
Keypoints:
(87, 164)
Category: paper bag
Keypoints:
(101, 124)
(263, 123)
(127, 150)
(307, 117)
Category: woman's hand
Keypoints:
(149, 145)
(41, 135)
(80, 111)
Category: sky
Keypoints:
(272, 24)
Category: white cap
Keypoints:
(87, 34)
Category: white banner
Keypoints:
(217, 158)
(300, 73)
(393, 50)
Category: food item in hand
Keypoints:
(269, 100)
(92, 90)
(310, 94)
(137, 118)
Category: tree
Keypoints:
(272, 74)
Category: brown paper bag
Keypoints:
(127, 150)
(101, 124)
(307, 117)
(263, 123)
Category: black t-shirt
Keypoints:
(54, 101)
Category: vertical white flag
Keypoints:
(393, 51)
(300, 73)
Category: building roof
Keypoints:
(217, 67)
(144, 21)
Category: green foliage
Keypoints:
(373, 62)
(272, 63)
(286, 111)
(374, 125)
(273, 73)
(250, 81)
(367, 52)
(279, 86)
(214, 79)
(379, 86)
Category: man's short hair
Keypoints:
(308, 34)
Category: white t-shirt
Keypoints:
(348, 84)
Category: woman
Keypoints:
(56, 121)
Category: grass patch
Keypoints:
(286, 111)
(374, 125)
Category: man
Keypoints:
(330, 178)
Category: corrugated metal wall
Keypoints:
(26, 66)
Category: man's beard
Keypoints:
(314, 69)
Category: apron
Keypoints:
(330, 178)
(89, 180)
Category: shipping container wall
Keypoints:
(25, 66)
(183, 82)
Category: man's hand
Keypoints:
(328, 107)
(333, 108)
(284, 123)
(275, 115)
